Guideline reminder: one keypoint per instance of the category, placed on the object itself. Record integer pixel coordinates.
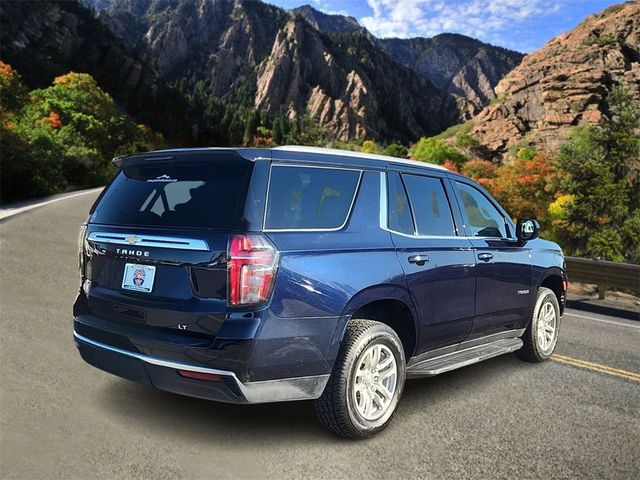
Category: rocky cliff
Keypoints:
(42, 40)
(564, 84)
(464, 67)
(250, 52)
(349, 86)
(210, 62)
(45, 39)
(459, 65)
(327, 23)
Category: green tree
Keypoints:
(251, 126)
(434, 150)
(396, 149)
(600, 168)
(63, 136)
(310, 133)
(278, 129)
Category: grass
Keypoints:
(455, 130)
(600, 41)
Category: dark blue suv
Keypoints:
(246, 276)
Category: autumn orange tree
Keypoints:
(526, 187)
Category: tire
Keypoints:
(352, 402)
(541, 336)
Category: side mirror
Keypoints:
(527, 229)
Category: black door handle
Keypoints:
(419, 260)
(485, 256)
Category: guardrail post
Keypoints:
(601, 291)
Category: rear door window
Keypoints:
(181, 194)
(430, 205)
(310, 198)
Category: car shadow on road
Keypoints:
(145, 407)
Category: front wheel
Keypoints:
(367, 381)
(541, 336)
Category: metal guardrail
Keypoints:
(604, 274)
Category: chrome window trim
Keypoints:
(278, 390)
(297, 165)
(384, 216)
(155, 241)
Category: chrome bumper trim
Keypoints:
(280, 390)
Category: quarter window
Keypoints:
(306, 198)
(481, 217)
(430, 205)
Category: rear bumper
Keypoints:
(163, 374)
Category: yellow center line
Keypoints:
(596, 367)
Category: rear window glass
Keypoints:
(302, 198)
(201, 194)
(430, 205)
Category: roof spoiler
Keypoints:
(194, 154)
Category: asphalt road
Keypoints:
(61, 418)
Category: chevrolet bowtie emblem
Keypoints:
(132, 240)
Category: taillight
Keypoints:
(81, 238)
(251, 263)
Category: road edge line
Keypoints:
(10, 212)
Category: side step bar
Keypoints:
(462, 358)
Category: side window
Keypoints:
(304, 198)
(398, 211)
(481, 217)
(430, 205)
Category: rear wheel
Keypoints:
(367, 381)
(541, 336)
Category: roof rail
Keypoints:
(350, 153)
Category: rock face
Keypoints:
(327, 23)
(45, 39)
(253, 53)
(196, 55)
(350, 97)
(464, 67)
(564, 84)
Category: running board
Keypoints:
(462, 358)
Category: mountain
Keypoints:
(459, 65)
(462, 66)
(564, 84)
(43, 40)
(349, 86)
(328, 23)
(221, 68)
(252, 53)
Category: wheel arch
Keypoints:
(554, 280)
(391, 305)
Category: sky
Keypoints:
(522, 25)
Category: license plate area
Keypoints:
(138, 277)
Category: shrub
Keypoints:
(434, 150)
(396, 150)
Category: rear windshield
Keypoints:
(303, 198)
(184, 194)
